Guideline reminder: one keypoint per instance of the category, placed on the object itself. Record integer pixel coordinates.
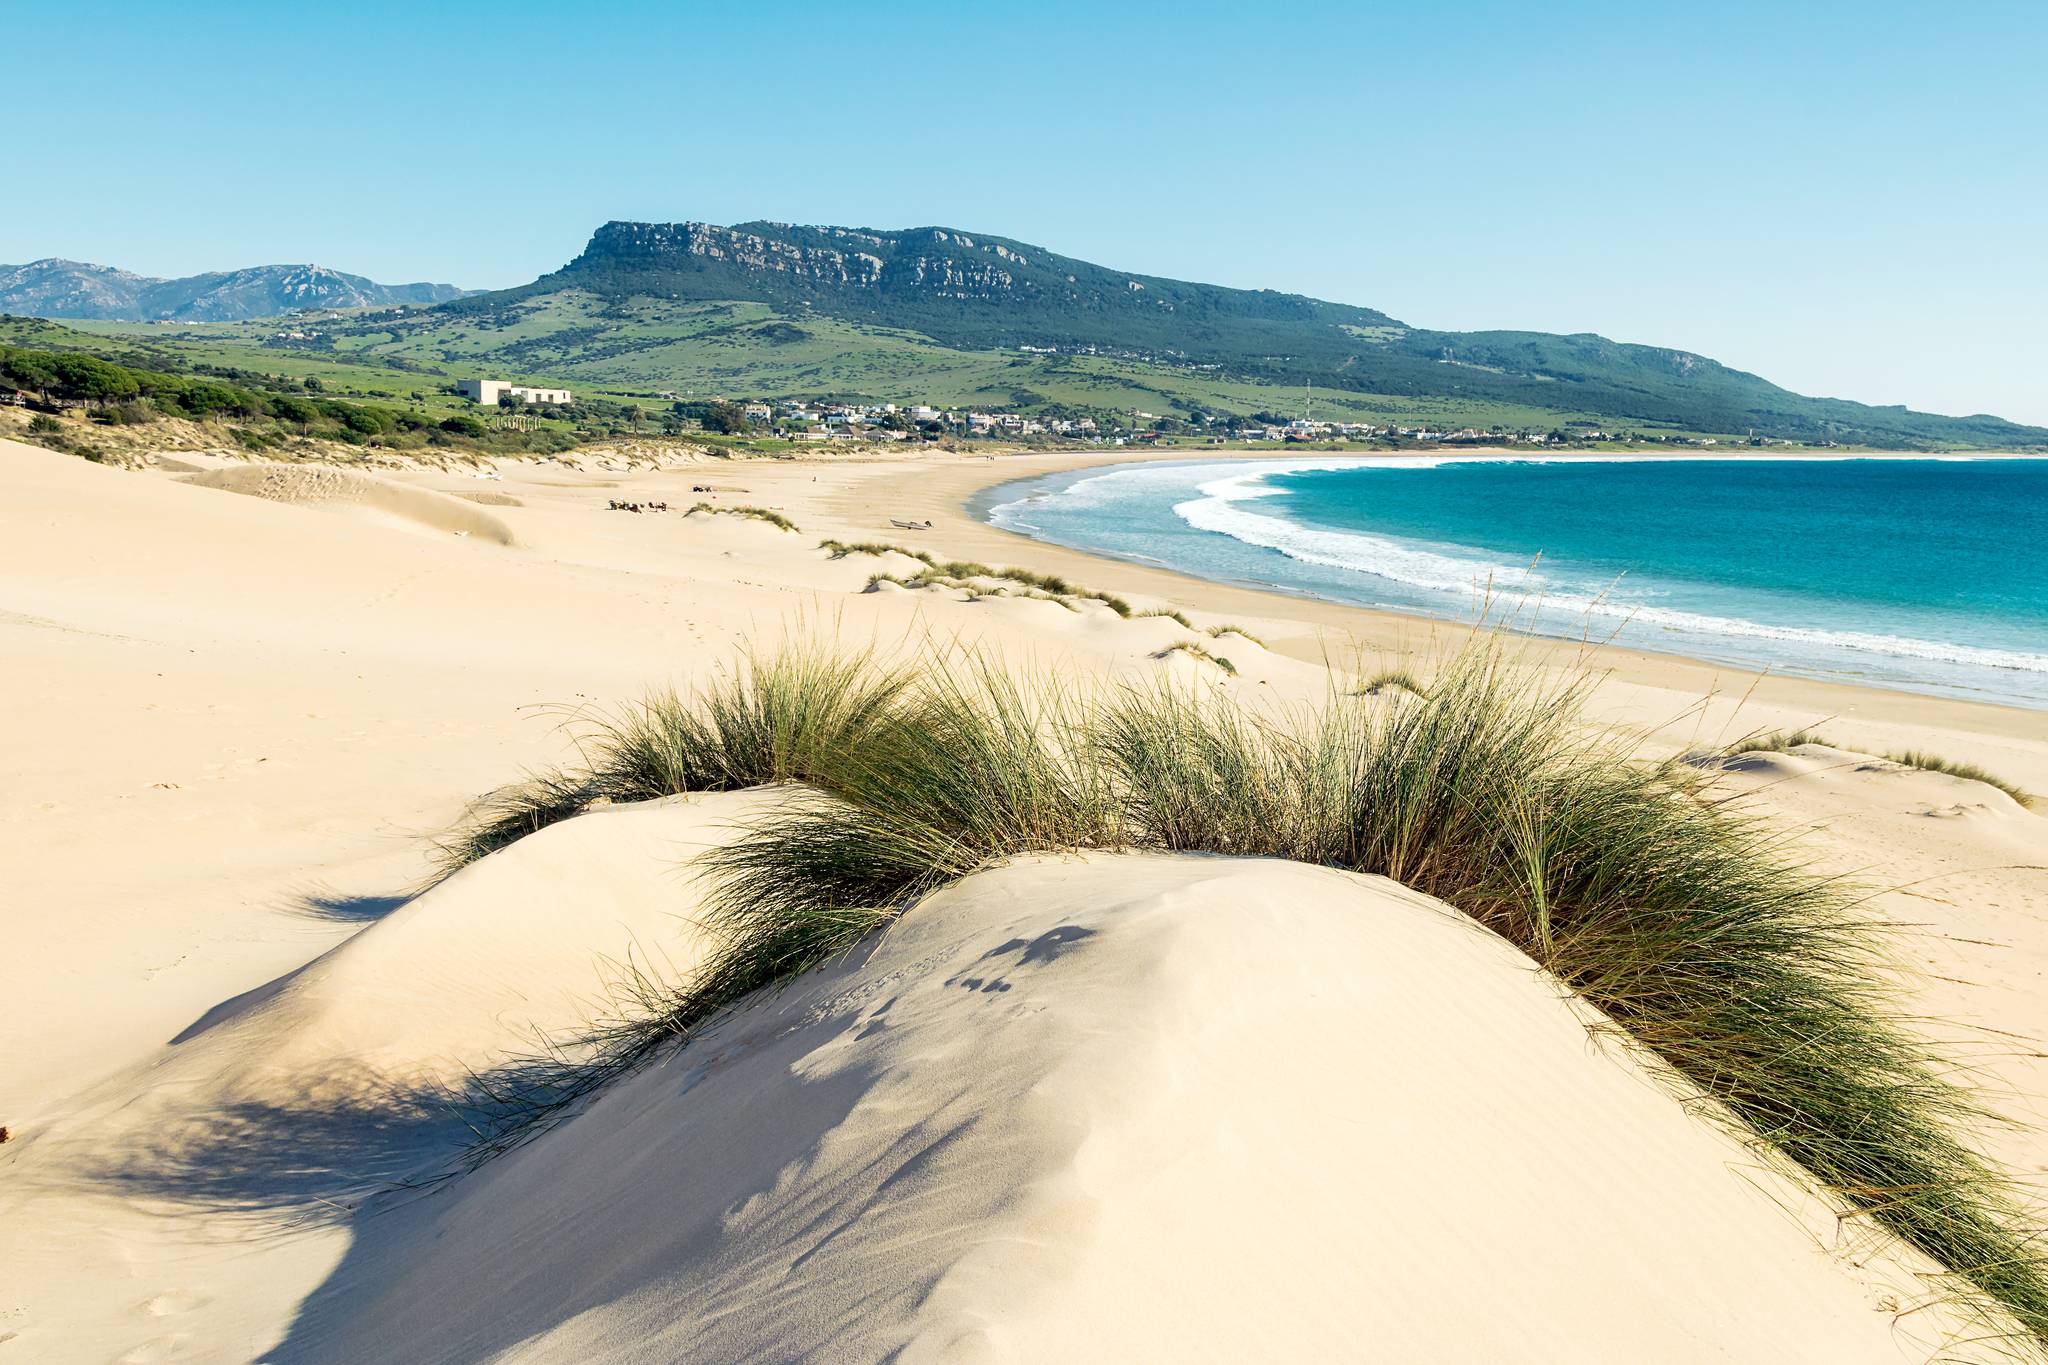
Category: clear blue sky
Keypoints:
(1848, 198)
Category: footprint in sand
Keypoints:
(156, 1348)
(173, 1302)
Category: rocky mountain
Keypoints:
(963, 289)
(971, 291)
(74, 289)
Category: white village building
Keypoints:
(489, 391)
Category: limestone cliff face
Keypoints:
(918, 277)
(935, 259)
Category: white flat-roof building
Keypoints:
(489, 391)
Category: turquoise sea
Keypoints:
(1926, 574)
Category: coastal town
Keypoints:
(820, 420)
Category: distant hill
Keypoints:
(666, 311)
(73, 289)
(973, 292)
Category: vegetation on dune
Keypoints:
(976, 762)
(1772, 742)
(976, 591)
(1218, 632)
(769, 720)
(1196, 650)
(1694, 929)
(1935, 763)
(955, 573)
(1393, 679)
(767, 514)
(1778, 741)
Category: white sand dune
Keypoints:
(1257, 1111)
(323, 485)
(1102, 1108)
(278, 1110)
(1115, 1109)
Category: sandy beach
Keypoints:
(242, 698)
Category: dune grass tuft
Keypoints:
(512, 812)
(1695, 930)
(1393, 679)
(953, 573)
(767, 514)
(770, 720)
(1771, 742)
(1218, 632)
(976, 591)
(1935, 763)
(1196, 650)
(841, 549)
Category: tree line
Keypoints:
(128, 394)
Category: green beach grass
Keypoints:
(769, 515)
(955, 573)
(1759, 984)
(1935, 763)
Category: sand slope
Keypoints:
(271, 1117)
(1115, 1109)
(1105, 1108)
(323, 485)
(1963, 870)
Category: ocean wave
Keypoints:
(1219, 510)
(1094, 492)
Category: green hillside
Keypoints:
(937, 316)
(971, 292)
(642, 349)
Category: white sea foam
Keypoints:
(1449, 572)
(1220, 510)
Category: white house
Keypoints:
(489, 391)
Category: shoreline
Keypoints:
(1231, 534)
(941, 492)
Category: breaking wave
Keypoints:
(1221, 509)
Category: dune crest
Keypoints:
(1125, 1107)
(324, 484)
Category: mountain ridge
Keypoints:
(54, 287)
(980, 292)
